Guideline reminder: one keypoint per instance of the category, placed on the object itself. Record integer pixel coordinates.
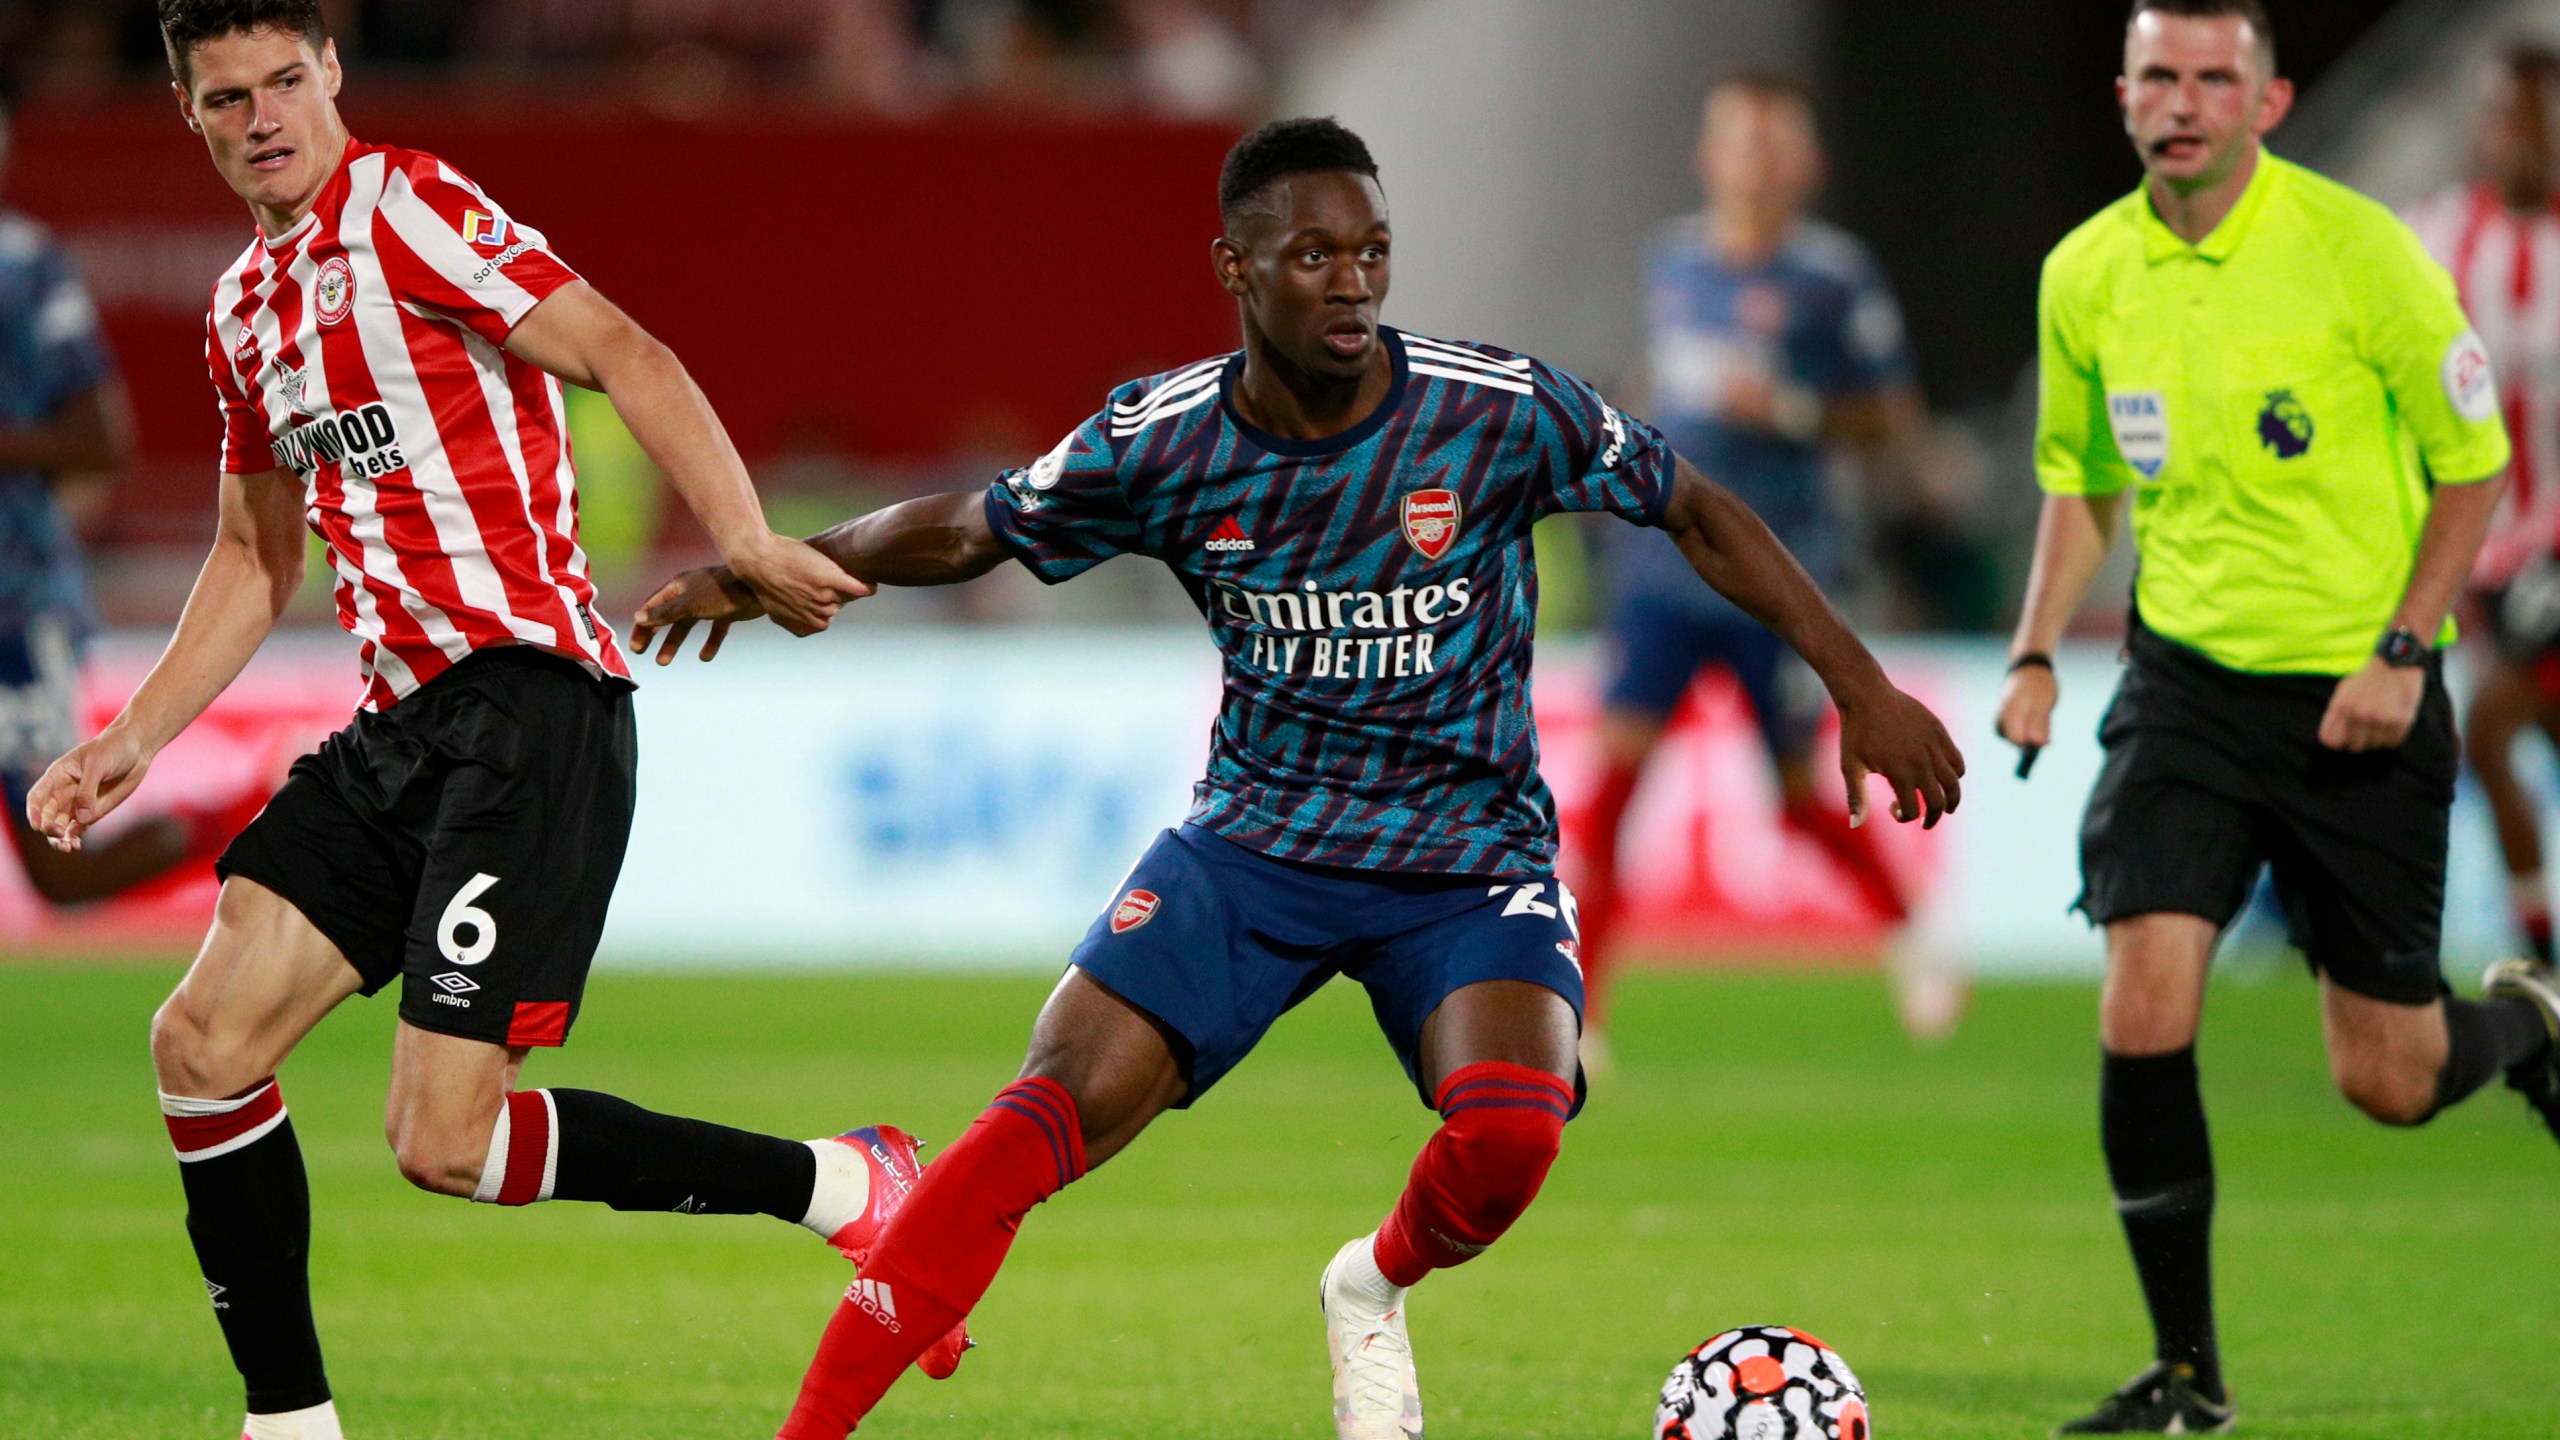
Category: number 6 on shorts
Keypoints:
(460, 913)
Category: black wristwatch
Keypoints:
(2402, 649)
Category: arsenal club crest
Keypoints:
(1431, 521)
(1135, 909)
(333, 294)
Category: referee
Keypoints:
(2269, 365)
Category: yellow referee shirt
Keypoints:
(2277, 397)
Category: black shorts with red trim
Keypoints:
(466, 839)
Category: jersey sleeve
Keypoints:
(2417, 339)
(451, 249)
(1598, 457)
(246, 447)
(2075, 451)
(1066, 512)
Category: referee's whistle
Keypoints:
(2027, 759)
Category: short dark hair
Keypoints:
(186, 24)
(2252, 13)
(1283, 148)
(1767, 84)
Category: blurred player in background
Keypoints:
(2500, 236)
(387, 354)
(65, 431)
(2269, 370)
(1350, 508)
(1774, 342)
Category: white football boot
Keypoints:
(1375, 1394)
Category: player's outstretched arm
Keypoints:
(2072, 537)
(1882, 730)
(934, 540)
(255, 565)
(579, 336)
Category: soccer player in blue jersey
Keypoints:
(1350, 507)
(64, 425)
(1773, 339)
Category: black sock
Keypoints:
(633, 1159)
(249, 1214)
(2151, 1119)
(2485, 1038)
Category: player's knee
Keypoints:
(187, 1059)
(1505, 1155)
(435, 1166)
(2394, 1095)
(440, 1158)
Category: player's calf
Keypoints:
(1501, 1127)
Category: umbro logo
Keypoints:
(1228, 538)
(457, 983)
(215, 1293)
(877, 1301)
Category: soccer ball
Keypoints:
(1762, 1382)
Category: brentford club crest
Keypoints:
(334, 293)
(1135, 909)
(1431, 521)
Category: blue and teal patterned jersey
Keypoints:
(1817, 316)
(50, 350)
(1373, 594)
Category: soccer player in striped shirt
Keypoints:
(1349, 506)
(2500, 238)
(388, 353)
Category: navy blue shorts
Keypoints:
(1657, 648)
(1216, 942)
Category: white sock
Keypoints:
(320, 1422)
(1361, 1275)
(843, 1191)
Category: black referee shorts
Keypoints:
(466, 839)
(2211, 773)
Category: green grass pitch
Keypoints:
(1769, 1150)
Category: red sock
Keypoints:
(1854, 850)
(1500, 1126)
(1599, 895)
(939, 1253)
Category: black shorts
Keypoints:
(2211, 773)
(467, 838)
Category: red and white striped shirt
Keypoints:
(363, 352)
(2507, 267)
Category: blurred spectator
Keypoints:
(1186, 59)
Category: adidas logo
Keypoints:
(1229, 538)
(877, 1302)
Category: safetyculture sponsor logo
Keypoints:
(479, 227)
(500, 261)
(1135, 909)
(2140, 419)
(2469, 382)
(1431, 521)
(334, 293)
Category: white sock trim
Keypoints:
(319, 1422)
(493, 1169)
(189, 1107)
(1361, 1273)
(841, 1192)
(185, 1106)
